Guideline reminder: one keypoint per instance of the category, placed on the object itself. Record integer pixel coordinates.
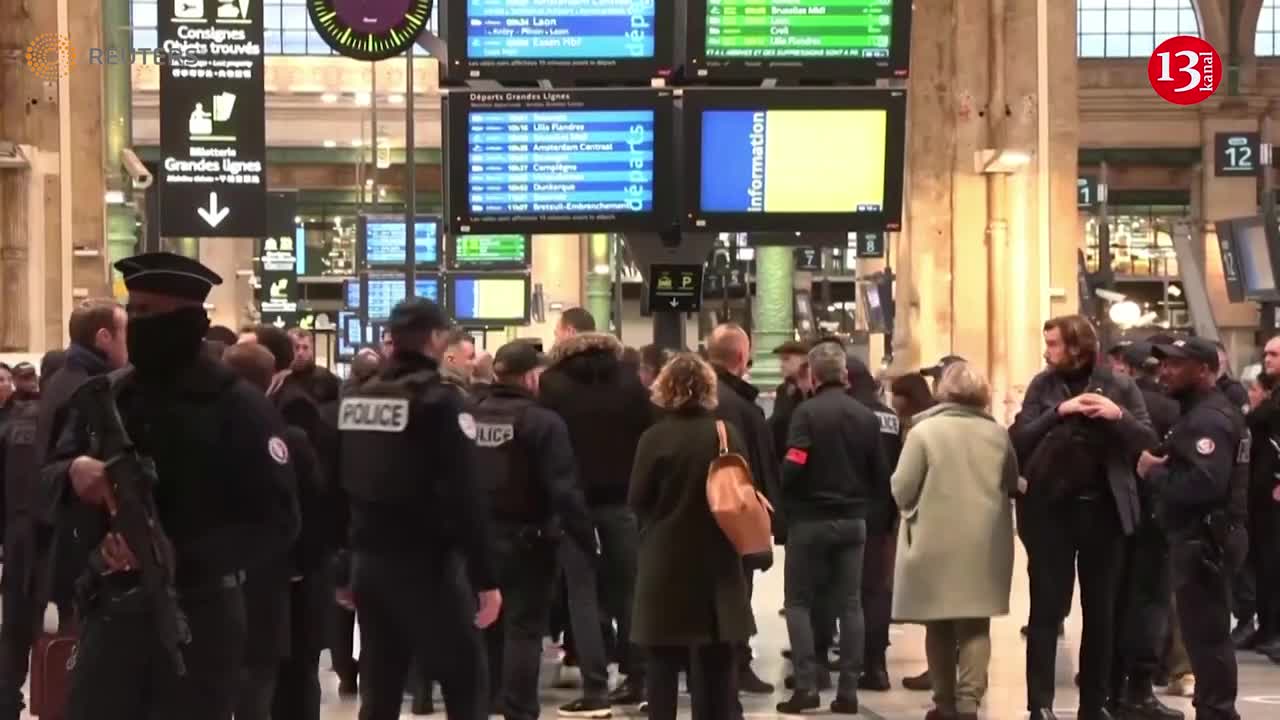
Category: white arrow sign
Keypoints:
(214, 215)
(675, 302)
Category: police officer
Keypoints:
(1202, 481)
(408, 465)
(23, 539)
(223, 498)
(528, 464)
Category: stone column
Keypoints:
(88, 180)
(774, 321)
(599, 267)
(117, 105)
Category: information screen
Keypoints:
(491, 251)
(773, 158)
(490, 299)
(386, 291)
(1254, 249)
(351, 293)
(815, 38)
(530, 39)
(349, 334)
(558, 161)
(384, 244)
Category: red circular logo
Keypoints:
(1185, 70)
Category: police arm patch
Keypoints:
(278, 450)
(468, 425)
(1205, 446)
(798, 456)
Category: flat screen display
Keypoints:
(858, 39)
(1254, 250)
(351, 294)
(509, 252)
(558, 161)
(764, 159)
(489, 300)
(350, 334)
(384, 245)
(385, 291)
(549, 39)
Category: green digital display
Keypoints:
(799, 29)
(491, 250)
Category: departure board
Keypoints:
(384, 244)
(799, 28)
(490, 300)
(568, 29)
(490, 251)
(386, 291)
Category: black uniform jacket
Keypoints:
(544, 439)
(835, 463)
(1131, 434)
(225, 482)
(1202, 450)
(737, 405)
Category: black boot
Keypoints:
(1094, 713)
(922, 683)
(799, 702)
(750, 683)
(1245, 635)
(1141, 703)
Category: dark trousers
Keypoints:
(1264, 558)
(257, 687)
(121, 672)
(20, 621)
(713, 682)
(409, 603)
(342, 641)
(877, 596)
(297, 694)
(1061, 535)
(527, 575)
(584, 618)
(1203, 599)
(821, 552)
(1142, 610)
(619, 533)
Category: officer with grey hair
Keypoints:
(833, 466)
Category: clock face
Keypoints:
(369, 29)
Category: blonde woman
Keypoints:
(955, 544)
(691, 594)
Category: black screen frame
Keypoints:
(457, 105)
(345, 318)
(478, 322)
(1272, 234)
(695, 101)
(461, 68)
(699, 67)
(455, 264)
(362, 238)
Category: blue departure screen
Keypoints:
(574, 162)
(352, 292)
(385, 245)
(385, 292)
(560, 29)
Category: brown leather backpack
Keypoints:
(742, 512)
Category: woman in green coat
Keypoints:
(691, 594)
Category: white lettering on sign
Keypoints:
(491, 435)
(889, 424)
(374, 415)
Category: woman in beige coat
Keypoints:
(955, 544)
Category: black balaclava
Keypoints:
(166, 343)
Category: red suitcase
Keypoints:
(51, 662)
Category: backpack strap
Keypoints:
(724, 437)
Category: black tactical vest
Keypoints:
(504, 463)
(1238, 499)
(378, 422)
(21, 470)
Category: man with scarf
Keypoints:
(223, 498)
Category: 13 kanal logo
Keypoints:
(1185, 70)
(50, 56)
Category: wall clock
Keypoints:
(369, 29)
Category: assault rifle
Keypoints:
(130, 478)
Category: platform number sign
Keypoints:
(870, 245)
(1086, 192)
(1236, 154)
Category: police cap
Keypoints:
(417, 314)
(791, 347)
(1192, 348)
(517, 358)
(1136, 354)
(165, 273)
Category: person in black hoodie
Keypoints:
(607, 410)
(729, 351)
(1077, 437)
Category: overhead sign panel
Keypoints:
(1236, 154)
(675, 288)
(278, 291)
(212, 120)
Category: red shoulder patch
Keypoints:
(798, 456)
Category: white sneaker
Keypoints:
(567, 677)
(1182, 686)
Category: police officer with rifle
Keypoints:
(174, 480)
(527, 462)
(408, 465)
(1201, 475)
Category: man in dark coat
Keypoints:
(607, 410)
(794, 389)
(1077, 438)
(729, 350)
(317, 381)
(1264, 506)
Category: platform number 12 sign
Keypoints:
(1185, 70)
(1236, 154)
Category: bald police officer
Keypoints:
(223, 496)
(408, 465)
(1202, 482)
